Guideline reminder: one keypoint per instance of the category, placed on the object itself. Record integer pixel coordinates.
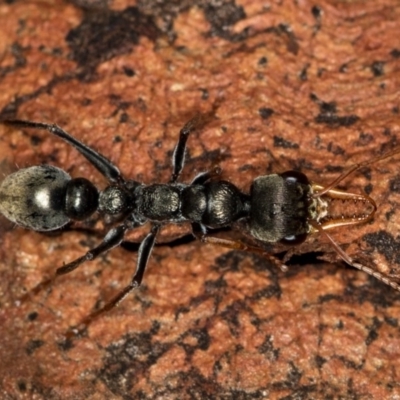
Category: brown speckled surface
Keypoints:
(299, 86)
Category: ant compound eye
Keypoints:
(293, 240)
(295, 177)
(81, 200)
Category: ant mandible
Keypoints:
(283, 208)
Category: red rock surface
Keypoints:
(299, 86)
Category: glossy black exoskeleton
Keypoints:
(283, 208)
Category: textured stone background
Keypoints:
(300, 85)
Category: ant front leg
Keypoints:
(144, 254)
(112, 239)
(200, 233)
(101, 163)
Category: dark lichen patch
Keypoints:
(392, 321)
(292, 379)
(395, 53)
(263, 61)
(91, 4)
(385, 244)
(19, 60)
(222, 15)
(204, 93)
(351, 364)
(373, 331)
(104, 34)
(320, 361)
(368, 188)
(303, 75)
(201, 338)
(373, 292)
(123, 118)
(316, 11)
(336, 120)
(292, 44)
(328, 114)
(267, 348)
(10, 110)
(273, 290)
(128, 71)
(231, 316)
(286, 144)
(377, 68)
(394, 184)
(17, 52)
(344, 68)
(129, 359)
(364, 139)
(265, 112)
(327, 298)
(33, 345)
(36, 140)
(325, 107)
(32, 316)
(22, 386)
(335, 149)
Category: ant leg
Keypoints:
(348, 260)
(200, 233)
(353, 169)
(203, 177)
(101, 163)
(112, 239)
(144, 253)
(178, 157)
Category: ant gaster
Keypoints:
(282, 208)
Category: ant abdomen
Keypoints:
(44, 198)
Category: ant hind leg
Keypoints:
(112, 239)
(144, 254)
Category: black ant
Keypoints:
(283, 208)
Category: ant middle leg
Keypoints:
(203, 177)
